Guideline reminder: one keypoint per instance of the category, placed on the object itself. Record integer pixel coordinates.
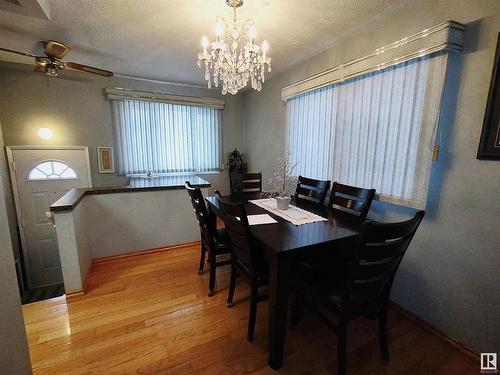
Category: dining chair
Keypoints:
(247, 261)
(363, 288)
(246, 183)
(351, 199)
(311, 190)
(213, 240)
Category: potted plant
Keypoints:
(236, 162)
(283, 182)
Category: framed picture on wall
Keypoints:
(105, 159)
(489, 145)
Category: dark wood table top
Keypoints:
(136, 184)
(283, 236)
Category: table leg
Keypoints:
(279, 276)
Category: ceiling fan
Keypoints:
(51, 63)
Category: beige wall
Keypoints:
(161, 218)
(8, 198)
(14, 356)
(451, 274)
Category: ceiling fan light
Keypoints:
(51, 71)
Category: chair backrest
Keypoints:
(236, 223)
(311, 190)
(351, 199)
(217, 194)
(380, 249)
(200, 209)
(246, 183)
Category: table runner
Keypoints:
(293, 214)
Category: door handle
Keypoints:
(49, 215)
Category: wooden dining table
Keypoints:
(284, 244)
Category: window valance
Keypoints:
(127, 94)
(446, 36)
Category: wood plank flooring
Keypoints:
(151, 315)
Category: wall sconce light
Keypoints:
(45, 133)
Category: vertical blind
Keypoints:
(375, 131)
(166, 138)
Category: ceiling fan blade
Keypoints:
(89, 69)
(17, 52)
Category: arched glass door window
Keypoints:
(51, 170)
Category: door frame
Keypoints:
(15, 191)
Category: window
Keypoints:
(51, 170)
(166, 138)
(375, 131)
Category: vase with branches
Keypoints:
(283, 181)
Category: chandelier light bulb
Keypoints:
(265, 48)
(219, 31)
(204, 42)
(252, 33)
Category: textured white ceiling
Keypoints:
(159, 39)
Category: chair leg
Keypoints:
(213, 266)
(296, 310)
(383, 336)
(253, 313)
(202, 259)
(232, 286)
(341, 346)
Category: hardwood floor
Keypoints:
(151, 315)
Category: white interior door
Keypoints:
(40, 176)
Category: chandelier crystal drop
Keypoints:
(234, 59)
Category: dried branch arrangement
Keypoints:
(283, 182)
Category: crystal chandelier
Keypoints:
(234, 59)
